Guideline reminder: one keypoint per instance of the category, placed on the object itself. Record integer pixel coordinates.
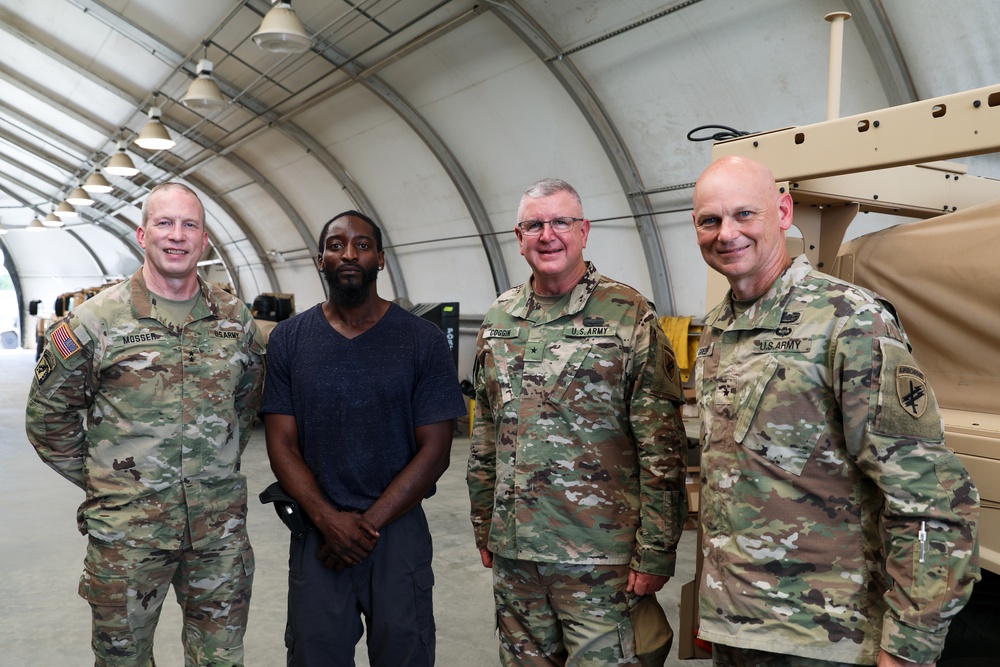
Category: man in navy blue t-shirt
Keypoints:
(359, 407)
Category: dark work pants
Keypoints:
(391, 589)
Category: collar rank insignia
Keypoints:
(911, 390)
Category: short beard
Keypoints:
(349, 295)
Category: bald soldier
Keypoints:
(838, 528)
(144, 397)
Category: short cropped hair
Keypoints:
(166, 186)
(376, 232)
(545, 188)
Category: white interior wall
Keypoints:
(499, 109)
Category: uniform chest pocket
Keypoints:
(591, 378)
(781, 414)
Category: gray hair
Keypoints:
(546, 188)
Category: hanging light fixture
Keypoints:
(154, 136)
(65, 210)
(120, 163)
(79, 197)
(281, 31)
(36, 225)
(203, 93)
(97, 184)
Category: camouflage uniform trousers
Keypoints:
(552, 614)
(126, 587)
(730, 656)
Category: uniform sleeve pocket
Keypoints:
(906, 404)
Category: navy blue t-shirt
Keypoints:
(357, 401)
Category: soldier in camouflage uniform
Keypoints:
(576, 472)
(838, 528)
(144, 397)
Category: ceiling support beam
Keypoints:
(880, 40)
(522, 25)
(93, 255)
(251, 239)
(354, 192)
(176, 59)
(48, 136)
(132, 246)
(440, 150)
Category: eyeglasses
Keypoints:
(558, 225)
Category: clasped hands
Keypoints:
(348, 539)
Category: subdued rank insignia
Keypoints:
(44, 367)
(911, 389)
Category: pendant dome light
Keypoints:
(51, 220)
(97, 184)
(65, 210)
(120, 163)
(281, 31)
(203, 94)
(154, 136)
(80, 197)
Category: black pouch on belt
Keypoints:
(287, 509)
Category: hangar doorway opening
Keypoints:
(10, 315)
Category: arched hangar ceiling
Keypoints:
(432, 116)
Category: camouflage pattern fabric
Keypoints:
(548, 610)
(150, 417)
(126, 589)
(578, 453)
(730, 656)
(835, 519)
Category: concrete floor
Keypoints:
(44, 623)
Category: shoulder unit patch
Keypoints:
(911, 390)
(43, 369)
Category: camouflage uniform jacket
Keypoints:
(150, 419)
(578, 452)
(835, 520)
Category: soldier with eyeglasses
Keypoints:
(576, 471)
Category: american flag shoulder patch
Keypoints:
(65, 342)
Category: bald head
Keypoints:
(736, 172)
(741, 219)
